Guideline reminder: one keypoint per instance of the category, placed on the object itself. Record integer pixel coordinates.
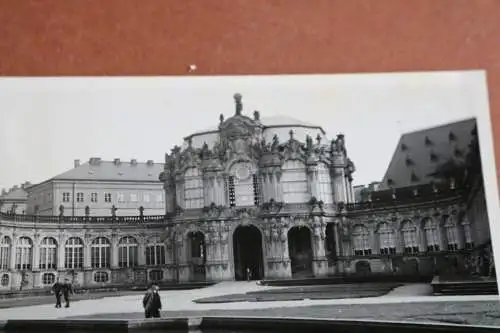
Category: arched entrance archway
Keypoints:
(363, 268)
(197, 255)
(247, 253)
(300, 251)
(410, 267)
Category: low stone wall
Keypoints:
(231, 324)
(352, 278)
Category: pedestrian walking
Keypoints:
(67, 289)
(57, 289)
(152, 302)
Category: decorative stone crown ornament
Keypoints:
(238, 103)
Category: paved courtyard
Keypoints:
(409, 302)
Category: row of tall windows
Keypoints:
(362, 244)
(108, 197)
(247, 191)
(100, 253)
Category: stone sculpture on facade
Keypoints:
(241, 140)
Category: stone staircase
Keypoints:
(465, 287)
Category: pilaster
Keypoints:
(320, 262)
(114, 251)
(35, 260)
(13, 250)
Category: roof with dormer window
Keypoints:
(419, 154)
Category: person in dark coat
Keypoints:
(57, 290)
(152, 302)
(66, 290)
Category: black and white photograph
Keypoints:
(351, 196)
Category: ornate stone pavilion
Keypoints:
(272, 198)
(277, 202)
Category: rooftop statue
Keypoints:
(239, 104)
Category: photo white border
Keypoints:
(481, 110)
(488, 162)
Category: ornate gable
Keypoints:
(239, 134)
(293, 149)
(190, 157)
(238, 126)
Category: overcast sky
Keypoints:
(46, 123)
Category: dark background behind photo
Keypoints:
(163, 37)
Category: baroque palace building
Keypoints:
(273, 197)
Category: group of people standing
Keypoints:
(151, 301)
(62, 289)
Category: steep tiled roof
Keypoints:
(16, 194)
(419, 153)
(98, 170)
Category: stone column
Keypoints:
(114, 251)
(441, 229)
(350, 190)
(179, 189)
(87, 256)
(220, 193)
(265, 187)
(338, 185)
(206, 190)
(141, 258)
(278, 194)
(399, 239)
(226, 272)
(278, 258)
(35, 266)
(313, 181)
(13, 250)
(183, 265)
(336, 239)
(320, 262)
(60, 255)
(375, 244)
(421, 238)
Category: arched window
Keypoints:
(193, 189)
(73, 253)
(24, 253)
(48, 278)
(48, 253)
(361, 241)
(127, 252)
(431, 229)
(324, 184)
(294, 182)
(410, 241)
(101, 277)
(386, 239)
(155, 253)
(451, 234)
(100, 253)
(5, 250)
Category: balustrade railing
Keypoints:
(419, 195)
(84, 219)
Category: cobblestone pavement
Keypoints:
(50, 299)
(403, 303)
(472, 313)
